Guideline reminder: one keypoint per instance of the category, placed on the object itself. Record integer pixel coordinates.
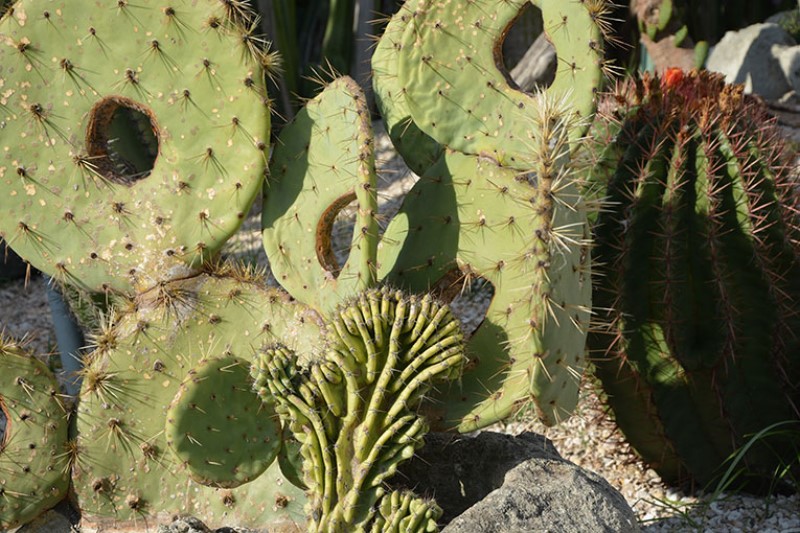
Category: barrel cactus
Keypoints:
(698, 277)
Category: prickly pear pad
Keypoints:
(34, 464)
(323, 161)
(418, 150)
(219, 427)
(449, 77)
(91, 92)
(472, 216)
(124, 472)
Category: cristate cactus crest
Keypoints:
(354, 409)
(699, 277)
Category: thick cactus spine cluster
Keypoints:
(34, 457)
(119, 173)
(505, 201)
(698, 277)
(354, 409)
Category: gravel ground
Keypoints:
(589, 438)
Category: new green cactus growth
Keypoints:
(134, 140)
(125, 469)
(324, 160)
(354, 410)
(216, 425)
(699, 278)
(34, 459)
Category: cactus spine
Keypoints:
(698, 279)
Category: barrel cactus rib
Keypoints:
(126, 469)
(34, 458)
(119, 173)
(695, 264)
(448, 74)
(320, 165)
(354, 410)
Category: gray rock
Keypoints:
(48, 522)
(499, 483)
(789, 60)
(749, 56)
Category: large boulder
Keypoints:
(500, 483)
(750, 56)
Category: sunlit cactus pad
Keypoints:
(125, 470)
(134, 135)
(34, 460)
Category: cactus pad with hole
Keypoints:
(135, 135)
(323, 161)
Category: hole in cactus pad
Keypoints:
(122, 140)
(528, 60)
(468, 295)
(335, 233)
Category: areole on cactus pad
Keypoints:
(699, 277)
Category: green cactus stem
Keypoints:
(135, 135)
(699, 278)
(217, 427)
(448, 75)
(125, 470)
(34, 458)
(354, 410)
(320, 165)
(526, 234)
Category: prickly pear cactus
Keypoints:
(526, 234)
(505, 209)
(447, 71)
(34, 458)
(417, 149)
(216, 425)
(134, 138)
(323, 161)
(699, 279)
(354, 410)
(132, 461)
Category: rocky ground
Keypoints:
(589, 438)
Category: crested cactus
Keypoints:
(324, 160)
(134, 139)
(699, 281)
(134, 458)
(354, 409)
(34, 458)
